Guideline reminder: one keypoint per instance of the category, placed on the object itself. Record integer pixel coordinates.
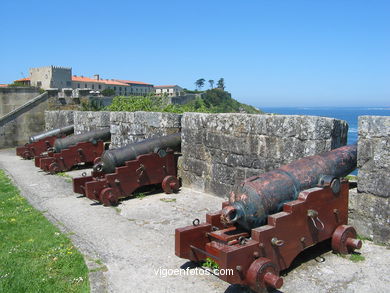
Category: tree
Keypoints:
(211, 82)
(221, 84)
(108, 92)
(200, 83)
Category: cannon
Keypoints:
(42, 142)
(73, 150)
(269, 219)
(121, 171)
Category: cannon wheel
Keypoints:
(26, 155)
(97, 160)
(344, 240)
(262, 274)
(107, 198)
(54, 168)
(170, 184)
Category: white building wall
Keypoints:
(51, 77)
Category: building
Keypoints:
(49, 77)
(98, 84)
(138, 87)
(170, 90)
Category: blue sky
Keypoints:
(271, 53)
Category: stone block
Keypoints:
(374, 155)
(370, 215)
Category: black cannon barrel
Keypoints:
(95, 135)
(57, 131)
(118, 157)
(259, 196)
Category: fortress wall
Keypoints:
(370, 203)
(128, 127)
(57, 119)
(220, 150)
(85, 121)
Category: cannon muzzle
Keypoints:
(259, 196)
(53, 132)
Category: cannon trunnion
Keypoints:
(265, 242)
(71, 151)
(42, 142)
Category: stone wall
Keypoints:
(220, 150)
(21, 115)
(18, 131)
(370, 203)
(128, 127)
(85, 121)
(14, 97)
(56, 119)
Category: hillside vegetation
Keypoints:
(212, 101)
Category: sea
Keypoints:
(349, 114)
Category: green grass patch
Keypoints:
(210, 263)
(67, 177)
(356, 257)
(168, 199)
(351, 177)
(363, 238)
(34, 255)
(139, 195)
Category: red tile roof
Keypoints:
(133, 82)
(23, 79)
(3, 85)
(105, 81)
(165, 86)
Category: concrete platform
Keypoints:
(136, 239)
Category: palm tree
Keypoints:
(211, 82)
(200, 83)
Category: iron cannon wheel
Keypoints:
(26, 155)
(170, 184)
(54, 168)
(107, 197)
(262, 274)
(344, 240)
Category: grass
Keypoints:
(139, 195)
(356, 257)
(363, 238)
(67, 177)
(168, 199)
(210, 263)
(34, 255)
(351, 177)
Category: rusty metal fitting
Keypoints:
(273, 280)
(277, 242)
(354, 243)
(312, 213)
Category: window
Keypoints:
(85, 85)
(78, 85)
(100, 86)
(39, 83)
(68, 83)
(114, 88)
(93, 86)
(120, 89)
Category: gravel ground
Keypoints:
(126, 245)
